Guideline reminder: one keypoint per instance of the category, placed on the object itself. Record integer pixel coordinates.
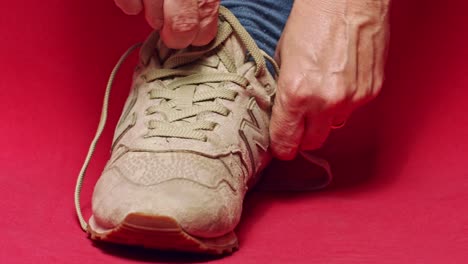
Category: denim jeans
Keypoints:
(263, 19)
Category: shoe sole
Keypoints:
(163, 233)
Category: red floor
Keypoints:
(401, 188)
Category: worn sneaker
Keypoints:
(191, 141)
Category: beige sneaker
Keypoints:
(192, 139)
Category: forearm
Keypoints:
(370, 8)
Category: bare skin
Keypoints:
(181, 22)
(332, 55)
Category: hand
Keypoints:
(181, 22)
(332, 56)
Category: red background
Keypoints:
(401, 188)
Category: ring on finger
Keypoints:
(337, 125)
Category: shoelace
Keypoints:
(185, 85)
(97, 136)
(166, 128)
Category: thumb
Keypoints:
(130, 7)
(286, 126)
(208, 11)
(154, 13)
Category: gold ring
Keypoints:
(338, 125)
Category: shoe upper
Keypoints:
(193, 135)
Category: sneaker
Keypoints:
(192, 139)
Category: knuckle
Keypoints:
(208, 8)
(185, 22)
(368, 91)
(336, 91)
(334, 96)
(293, 91)
(375, 89)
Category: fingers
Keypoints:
(130, 7)
(305, 107)
(287, 124)
(181, 23)
(154, 13)
(317, 129)
(299, 124)
(208, 14)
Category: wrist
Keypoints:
(374, 8)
